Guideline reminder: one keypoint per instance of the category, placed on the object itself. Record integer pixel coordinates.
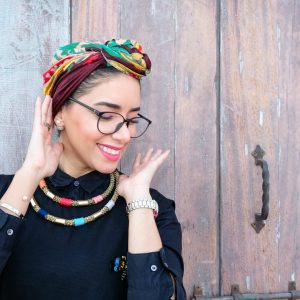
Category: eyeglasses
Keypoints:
(111, 122)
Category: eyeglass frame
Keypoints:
(99, 114)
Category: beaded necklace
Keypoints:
(70, 202)
(81, 220)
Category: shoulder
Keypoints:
(166, 206)
(5, 181)
(167, 222)
(162, 201)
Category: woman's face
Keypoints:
(85, 148)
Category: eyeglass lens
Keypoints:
(111, 122)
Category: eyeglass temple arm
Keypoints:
(145, 118)
(98, 113)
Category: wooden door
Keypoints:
(259, 104)
(224, 79)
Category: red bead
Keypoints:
(65, 201)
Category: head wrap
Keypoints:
(73, 63)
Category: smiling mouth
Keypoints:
(109, 153)
(109, 150)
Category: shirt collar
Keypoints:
(89, 182)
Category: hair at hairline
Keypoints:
(97, 77)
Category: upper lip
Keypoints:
(111, 147)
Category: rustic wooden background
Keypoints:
(225, 78)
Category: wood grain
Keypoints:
(31, 31)
(208, 172)
(94, 20)
(196, 144)
(259, 105)
(152, 23)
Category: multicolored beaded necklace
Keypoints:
(81, 220)
(70, 202)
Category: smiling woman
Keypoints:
(130, 244)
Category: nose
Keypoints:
(122, 135)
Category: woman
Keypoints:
(72, 226)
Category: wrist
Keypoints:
(30, 174)
(136, 195)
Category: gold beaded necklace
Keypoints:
(70, 202)
(81, 220)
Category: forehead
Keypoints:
(121, 90)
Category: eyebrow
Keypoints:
(115, 106)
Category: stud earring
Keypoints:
(59, 127)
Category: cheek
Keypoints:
(85, 131)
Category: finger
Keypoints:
(37, 112)
(148, 155)
(45, 107)
(162, 157)
(137, 161)
(156, 154)
(49, 122)
(49, 113)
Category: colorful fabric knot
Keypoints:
(72, 63)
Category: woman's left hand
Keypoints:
(137, 184)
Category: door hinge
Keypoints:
(236, 295)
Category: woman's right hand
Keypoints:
(42, 156)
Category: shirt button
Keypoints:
(153, 268)
(10, 232)
(76, 183)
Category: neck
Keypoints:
(71, 167)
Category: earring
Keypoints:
(57, 122)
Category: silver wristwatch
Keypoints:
(152, 204)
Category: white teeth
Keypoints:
(109, 150)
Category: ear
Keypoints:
(58, 121)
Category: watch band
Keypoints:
(152, 204)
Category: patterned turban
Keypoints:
(73, 63)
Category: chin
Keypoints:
(107, 168)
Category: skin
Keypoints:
(77, 153)
(80, 136)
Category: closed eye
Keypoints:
(108, 116)
(135, 120)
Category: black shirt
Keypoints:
(43, 260)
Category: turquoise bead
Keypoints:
(79, 221)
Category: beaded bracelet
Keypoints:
(12, 209)
(143, 204)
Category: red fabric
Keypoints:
(68, 82)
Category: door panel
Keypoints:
(196, 161)
(259, 105)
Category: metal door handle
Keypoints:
(260, 218)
